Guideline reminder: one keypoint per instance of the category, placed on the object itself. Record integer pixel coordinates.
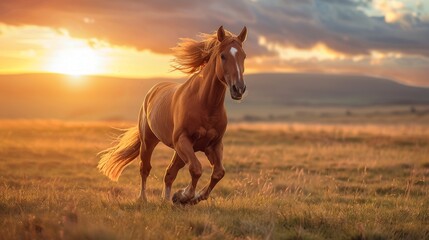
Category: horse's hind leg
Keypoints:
(148, 143)
(170, 174)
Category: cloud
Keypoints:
(395, 11)
(343, 27)
(156, 25)
(356, 31)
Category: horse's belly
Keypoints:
(159, 115)
(161, 126)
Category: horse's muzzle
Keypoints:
(237, 91)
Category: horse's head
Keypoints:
(230, 62)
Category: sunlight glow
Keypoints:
(76, 62)
(42, 49)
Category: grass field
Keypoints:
(283, 181)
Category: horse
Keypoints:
(188, 117)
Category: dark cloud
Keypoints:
(156, 25)
(371, 33)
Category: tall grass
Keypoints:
(283, 181)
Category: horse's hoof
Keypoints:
(193, 201)
(180, 198)
(198, 198)
(177, 197)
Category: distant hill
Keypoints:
(107, 98)
(332, 90)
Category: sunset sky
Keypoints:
(132, 38)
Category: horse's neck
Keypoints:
(211, 91)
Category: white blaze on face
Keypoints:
(234, 51)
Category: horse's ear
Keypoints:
(243, 34)
(220, 34)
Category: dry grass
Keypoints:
(283, 182)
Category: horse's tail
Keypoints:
(114, 160)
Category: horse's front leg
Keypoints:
(185, 150)
(171, 174)
(214, 154)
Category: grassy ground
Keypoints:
(282, 182)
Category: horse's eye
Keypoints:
(222, 57)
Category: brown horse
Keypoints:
(187, 117)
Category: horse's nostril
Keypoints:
(244, 89)
(234, 88)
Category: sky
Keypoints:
(131, 38)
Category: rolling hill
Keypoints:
(318, 89)
(107, 98)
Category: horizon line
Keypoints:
(188, 75)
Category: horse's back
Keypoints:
(158, 110)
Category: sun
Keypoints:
(76, 61)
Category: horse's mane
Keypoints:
(191, 55)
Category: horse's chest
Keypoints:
(204, 138)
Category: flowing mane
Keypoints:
(191, 55)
